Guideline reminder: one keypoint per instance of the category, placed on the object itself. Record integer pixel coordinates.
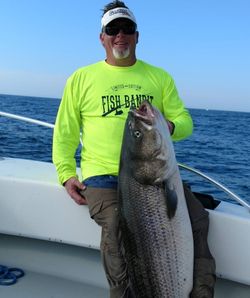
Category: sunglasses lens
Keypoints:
(114, 30)
(129, 30)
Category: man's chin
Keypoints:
(121, 54)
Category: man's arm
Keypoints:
(181, 123)
(65, 142)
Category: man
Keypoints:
(96, 100)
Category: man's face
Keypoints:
(119, 40)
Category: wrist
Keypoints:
(69, 179)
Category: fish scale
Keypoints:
(150, 231)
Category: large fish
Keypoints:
(155, 223)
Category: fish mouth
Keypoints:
(144, 113)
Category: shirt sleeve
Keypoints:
(66, 135)
(175, 111)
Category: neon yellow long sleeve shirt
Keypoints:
(96, 101)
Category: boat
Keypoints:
(56, 243)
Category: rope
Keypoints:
(9, 276)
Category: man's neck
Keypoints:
(121, 62)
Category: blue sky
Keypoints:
(203, 44)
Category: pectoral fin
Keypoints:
(171, 198)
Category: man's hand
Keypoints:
(171, 127)
(73, 187)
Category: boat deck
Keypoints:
(229, 289)
(35, 285)
(46, 286)
(54, 270)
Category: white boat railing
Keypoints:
(211, 180)
(26, 119)
(217, 184)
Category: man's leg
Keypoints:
(103, 208)
(204, 263)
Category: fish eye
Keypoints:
(137, 133)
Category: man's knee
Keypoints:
(197, 212)
(199, 218)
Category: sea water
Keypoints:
(219, 146)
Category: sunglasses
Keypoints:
(114, 30)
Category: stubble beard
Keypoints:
(123, 54)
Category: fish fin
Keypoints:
(171, 198)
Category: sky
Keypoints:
(203, 44)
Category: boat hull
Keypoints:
(54, 240)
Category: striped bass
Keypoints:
(155, 223)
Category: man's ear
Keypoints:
(101, 38)
(137, 36)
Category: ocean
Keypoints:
(219, 146)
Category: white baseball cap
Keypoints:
(116, 13)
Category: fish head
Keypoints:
(148, 145)
(145, 140)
